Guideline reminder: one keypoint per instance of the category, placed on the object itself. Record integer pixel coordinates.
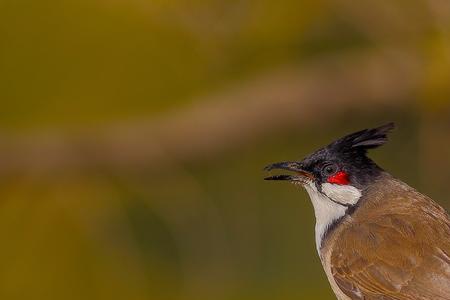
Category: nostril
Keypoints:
(295, 165)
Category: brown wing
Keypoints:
(395, 256)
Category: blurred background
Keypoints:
(133, 136)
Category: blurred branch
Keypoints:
(279, 99)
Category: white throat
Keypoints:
(330, 205)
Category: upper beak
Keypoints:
(300, 173)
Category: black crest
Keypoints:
(363, 140)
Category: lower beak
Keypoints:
(300, 173)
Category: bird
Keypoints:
(377, 237)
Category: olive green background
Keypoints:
(133, 136)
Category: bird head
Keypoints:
(339, 171)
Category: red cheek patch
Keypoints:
(339, 178)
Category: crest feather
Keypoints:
(364, 139)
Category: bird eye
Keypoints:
(329, 169)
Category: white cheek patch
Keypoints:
(345, 194)
(325, 210)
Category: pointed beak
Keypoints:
(299, 173)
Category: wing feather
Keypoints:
(395, 256)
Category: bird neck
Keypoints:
(327, 213)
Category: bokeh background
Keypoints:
(134, 133)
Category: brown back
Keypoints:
(396, 245)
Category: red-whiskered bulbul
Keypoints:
(377, 237)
